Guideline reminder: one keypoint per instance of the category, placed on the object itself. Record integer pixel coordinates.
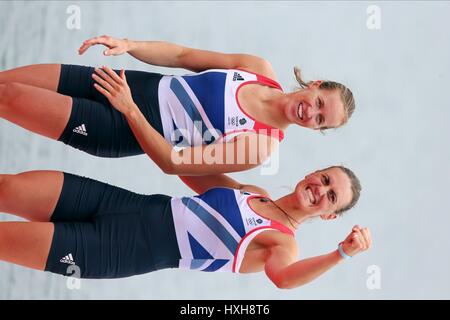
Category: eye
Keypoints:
(332, 196)
(320, 119)
(325, 180)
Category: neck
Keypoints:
(288, 204)
(276, 109)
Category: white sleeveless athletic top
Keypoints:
(202, 108)
(214, 229)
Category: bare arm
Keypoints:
(166, 54)
(285, 272)
(199, 160)
(244, 152)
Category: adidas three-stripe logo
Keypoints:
(81, 130)
(67, 259)
(237, 76)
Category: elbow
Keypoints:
(280, 285)
(280, 282)
(169, 168)
(283, 283)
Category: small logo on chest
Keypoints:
(235, 121)
(237, 77)
(253, 222)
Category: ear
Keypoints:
(331, 216)
(315, 84)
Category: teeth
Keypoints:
(300, 111)
(310, 195)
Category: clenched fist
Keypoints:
(357, 241)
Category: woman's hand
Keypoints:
(115, 88)
(357, 241)
(115, 46)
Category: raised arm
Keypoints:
(286, 273)
(160, 53)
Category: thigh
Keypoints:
(95, 126)
(77, 81)
(39, 110)
(100, 130)
(44, 75)
(113, 246)
(26, 243)
(82, 199)
(31, 195)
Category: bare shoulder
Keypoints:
(260, 66)
(275, 238)
(254, 189)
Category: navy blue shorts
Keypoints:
(109, 232)
(94, 125)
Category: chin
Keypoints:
(299, 196)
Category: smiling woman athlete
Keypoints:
(109, 232)
(232, 99)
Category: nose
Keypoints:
(311, 111)
(321, 190)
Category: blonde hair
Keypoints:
(346, 95)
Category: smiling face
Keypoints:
(324, 192)
(316, 108)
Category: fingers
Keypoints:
(102, 90)
(366, 234)
(112, 52)
(103, 83)
(105, 40)
(106, 77)
(363, 238)
(113, 75)
(358, 242)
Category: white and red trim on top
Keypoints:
(245, 241)
(260, 127)
(172, 111)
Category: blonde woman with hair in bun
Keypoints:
(216, 111)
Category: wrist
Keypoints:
(132, 111)
(337, 256)
(129, 44)
(342, 253)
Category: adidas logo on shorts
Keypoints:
(67, 259)
(81, 130)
